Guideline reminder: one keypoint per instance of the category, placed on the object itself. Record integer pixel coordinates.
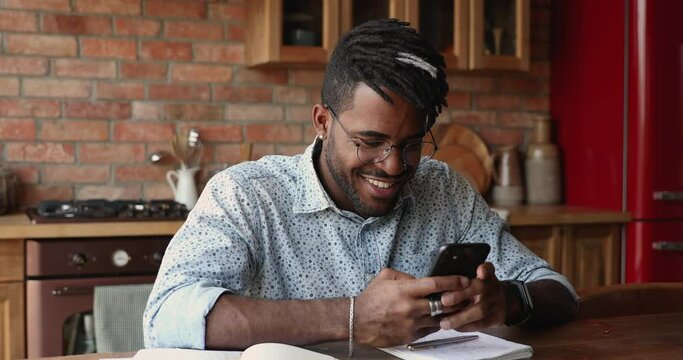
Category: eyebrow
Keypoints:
(379, 135)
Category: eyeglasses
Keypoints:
(375, 151)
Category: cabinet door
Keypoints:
(445, 23)
(356, 12)
(591, 254)
(291, 32)
(544, 241)
(499, 34)
(12, 320)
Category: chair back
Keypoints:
(630, 299)
(117, 312)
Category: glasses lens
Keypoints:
(373, 151)
(413, 153)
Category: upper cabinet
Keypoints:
(471, 34)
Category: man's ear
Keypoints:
(321, 121)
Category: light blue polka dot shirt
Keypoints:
(268, 229)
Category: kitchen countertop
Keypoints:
(18, 225)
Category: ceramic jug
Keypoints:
(508, 189)
(542, 166)
(183, 186)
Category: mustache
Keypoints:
(377, 173)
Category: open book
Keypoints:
(254, 352)
(484, 347)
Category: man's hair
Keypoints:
(386, 53)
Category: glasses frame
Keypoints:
(387, 151)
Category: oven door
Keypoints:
(59, 314)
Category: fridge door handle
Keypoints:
(668, 195)
(668, 245)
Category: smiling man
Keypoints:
(336, 243)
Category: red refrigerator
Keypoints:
(617, 96)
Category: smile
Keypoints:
(379, 184)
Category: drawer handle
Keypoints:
(667, 246)
(668, 195)
(67, 290)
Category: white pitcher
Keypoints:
(184, 187)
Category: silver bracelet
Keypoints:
(351, 326)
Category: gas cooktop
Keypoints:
(98, 210)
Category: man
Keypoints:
(335, 244)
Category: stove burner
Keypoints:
(106, 210)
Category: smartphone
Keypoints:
(459, 259)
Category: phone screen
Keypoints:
(459, 259)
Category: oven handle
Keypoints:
(668, 195)
(68, 290)
(668, 245)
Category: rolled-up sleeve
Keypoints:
(213, 252)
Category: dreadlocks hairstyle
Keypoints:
(386, 53)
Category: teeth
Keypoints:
(379, 184)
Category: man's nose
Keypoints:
(393, 164)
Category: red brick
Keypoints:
(111, 153)
(497, 136)
(57, 88)
(146, 111)
(194, 30)
(26, 174)
(458, 100)
(261, 112)
(290, 95)
(227, 12)
(517, 119)
(23, 107)
(9, 86)
(473, 117)
(108, 48)
(291, 149)
(235, 32)
(274, 133)
(540, 16)
(224, 53)
(493, 102)
(77, 174)
(157, 191)
(17, 129)
(536, 103)
(109, 192)
(228, 153)
(41, 152)
(22, 65)
(140, 70)
(137, 27)
(263, 76)
(306, 77)
(49, 5)
(299, 113)
(314, 95)
(45, 45)
(178, 92)
(201, 73)
(141, 131)
(18, 21)
(97, 110)
(260, 150)
(520, 85)
(84, 68)
(471, 84)
(144, 172)
(540, 51)
(540, 69)
(82, 25)
(166, 50)
(221, 132)
(31, 194)
(242, 94)
(73, 130)
(193, 112)
(109, 7)
(124, 91)
(540, 33)
(176, 8)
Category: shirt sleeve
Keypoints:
(212, 253)
(511, 259)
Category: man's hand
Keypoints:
(487, 307)
(394, 308)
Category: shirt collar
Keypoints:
(311, 195)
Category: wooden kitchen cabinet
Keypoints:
(12, 299)
(499, 34)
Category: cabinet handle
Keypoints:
(67, 290)
(668, 195)
(667, 245)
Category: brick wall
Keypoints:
(89, 88)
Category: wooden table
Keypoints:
(655, 336)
